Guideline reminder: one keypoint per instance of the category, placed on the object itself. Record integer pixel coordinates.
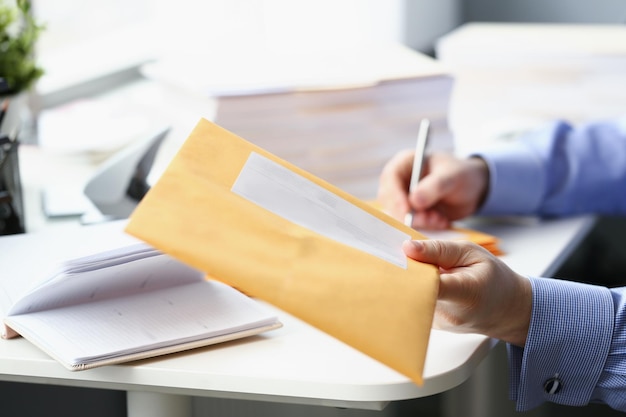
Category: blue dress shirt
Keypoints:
(575, 352)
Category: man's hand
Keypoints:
(478, 293)
(451, 189)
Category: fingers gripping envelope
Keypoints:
(280, 234)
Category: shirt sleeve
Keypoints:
(575, 352)
(559, 170)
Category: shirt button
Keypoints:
(552, 386)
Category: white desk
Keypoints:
(296, 364)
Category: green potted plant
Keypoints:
(18, 34)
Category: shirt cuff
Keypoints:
(567, 345)
(516, 181)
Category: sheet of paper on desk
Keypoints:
(487, 241)
(368, 301)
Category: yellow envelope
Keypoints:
(378, 307)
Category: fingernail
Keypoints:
(419, 245)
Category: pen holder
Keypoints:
(11, 199)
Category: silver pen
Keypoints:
(418, 163)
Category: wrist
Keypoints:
(519, 314)
(480, 174)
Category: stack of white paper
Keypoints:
(339, 115)
(512, 77)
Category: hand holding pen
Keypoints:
(430, 192)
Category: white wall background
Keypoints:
(200, 26)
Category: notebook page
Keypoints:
(116, 277)
(115, 327)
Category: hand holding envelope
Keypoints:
(278, 233)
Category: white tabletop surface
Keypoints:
(295, 364)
